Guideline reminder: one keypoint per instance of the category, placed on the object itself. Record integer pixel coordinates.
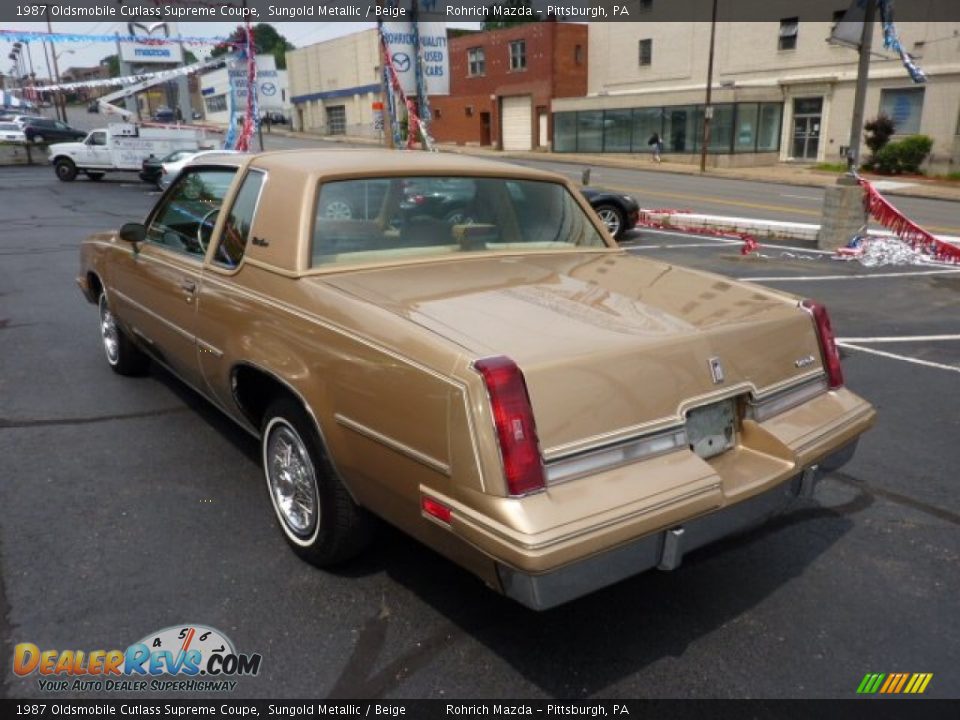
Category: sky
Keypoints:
(87, 54)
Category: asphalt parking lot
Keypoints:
(130, 505)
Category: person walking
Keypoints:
(656, 146)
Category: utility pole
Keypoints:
(62, 110)
(707, 107)
(859, 98)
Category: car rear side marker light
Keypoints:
(828, 342)
(435, 509)
(516, 430)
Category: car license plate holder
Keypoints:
(711, 429)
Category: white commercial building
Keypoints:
(780, 90)
(335, 84)
(272, 92)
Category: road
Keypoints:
(130, 505)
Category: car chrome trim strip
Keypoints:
(143, 308)
(207, 347)
(616, 455)
(412, 453)
(774, 404)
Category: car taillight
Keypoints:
(436, 509)
(828, 342)
(516, 430)
(417, 199)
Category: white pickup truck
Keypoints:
(123, 147)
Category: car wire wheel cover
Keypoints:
(108, 331)
(291, 480)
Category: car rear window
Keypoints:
(381, 219)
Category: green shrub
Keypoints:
(878, 133)
(903, 156)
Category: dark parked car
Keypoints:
(618, 212)
(94, 106)
(152, 167)
(164, 114)
(40, 130)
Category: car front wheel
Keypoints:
(613, 218)
(317, 515)
(124, 357)
(65, 170)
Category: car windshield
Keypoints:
(382, 219)
(178, 155)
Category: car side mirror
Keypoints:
(133, 232)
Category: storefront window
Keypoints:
(565, 132)
(646, 122)
(768, 127)
(745, 137)
(590, 131)
(617, 128)
(680, 128)
(904, 108)
(721, 129)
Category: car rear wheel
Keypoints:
(317, 515)
(65, 170)
(123, 356)
(613, 218)
(95, 175)
(337, 210)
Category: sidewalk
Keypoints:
(787, 174)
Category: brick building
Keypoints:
(502, 83)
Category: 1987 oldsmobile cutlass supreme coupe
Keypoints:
(514, 390)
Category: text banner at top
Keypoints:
(459, 11)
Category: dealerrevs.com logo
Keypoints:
(178, 658)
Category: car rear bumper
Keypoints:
(664, 549)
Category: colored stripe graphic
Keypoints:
(894, 683)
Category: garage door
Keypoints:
(517, 121)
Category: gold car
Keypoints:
(503, 383)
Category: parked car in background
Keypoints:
(152, 167)
(40, 130)
(618, 212)
(170, 170)
(520, 394)
(12, 132)
(164, 114)
(21, 119)
(93, 106)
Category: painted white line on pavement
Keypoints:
(859, 276)
(800, 197)
(679, 246)
(899, 339)
(893, 356)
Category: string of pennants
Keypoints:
(26, 36)
(129, 79)
(891, 41)
(239, 137)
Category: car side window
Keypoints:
(98, 138)
(236, 228)
(185, 217)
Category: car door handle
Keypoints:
(188, 286)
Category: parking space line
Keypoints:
(899, 339)
(679, 246)
(894, 356)
(856, 276)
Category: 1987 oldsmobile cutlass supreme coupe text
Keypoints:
(513, 390)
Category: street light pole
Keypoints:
(707, 107)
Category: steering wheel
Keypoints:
(200, 228)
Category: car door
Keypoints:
(96, 152)
(156, 285)
(223, 309)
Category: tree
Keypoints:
(877, 135)
(112, 62)
(266, 39)
(527, 15)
